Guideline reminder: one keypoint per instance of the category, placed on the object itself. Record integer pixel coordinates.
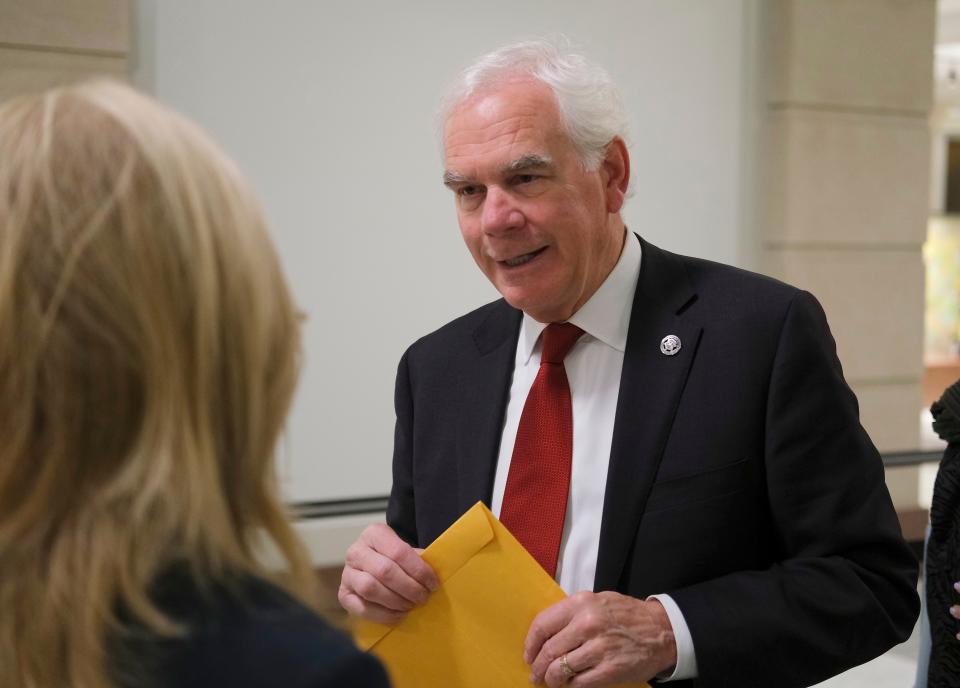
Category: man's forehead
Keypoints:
(514, 108)
(501, 131)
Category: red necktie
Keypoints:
(535, 499)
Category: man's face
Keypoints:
(539, 226)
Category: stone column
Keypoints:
(48, 42)
(844, 189)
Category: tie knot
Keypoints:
(558, 339)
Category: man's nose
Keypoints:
(500, 213)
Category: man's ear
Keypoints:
(615, 170)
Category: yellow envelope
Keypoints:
(470, 633)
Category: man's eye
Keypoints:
(470, 196)
(523, 178)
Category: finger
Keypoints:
(579, 659)
(369, 588)
(382, 539)
(357, 606)
(955, 611)
(363, 558)
(592, 670)
(547, 624)
(556, 676)
(956, 586)
(564, 641)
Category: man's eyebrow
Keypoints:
(531, 161)
(451, 178)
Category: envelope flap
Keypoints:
(467, 536)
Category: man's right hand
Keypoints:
(384, 577)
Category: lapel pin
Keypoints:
(670, 345)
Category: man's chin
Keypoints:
(540, 309)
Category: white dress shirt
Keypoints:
(593, 369)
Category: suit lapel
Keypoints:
(485, 388)
(650, 388)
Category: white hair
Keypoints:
(591, 111)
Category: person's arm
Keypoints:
(844, 588)
(841, 591)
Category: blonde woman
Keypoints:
(148, 353)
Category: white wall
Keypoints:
(328, 108)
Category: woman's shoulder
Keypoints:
(254, 634)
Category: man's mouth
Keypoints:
(517, 261)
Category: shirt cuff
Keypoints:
(686, 658)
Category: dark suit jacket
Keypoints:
(740, 482)
(251, 636)
(943, 547)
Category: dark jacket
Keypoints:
(256, 636)
(943, 547)
(740, 482)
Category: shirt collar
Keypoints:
(606, 315)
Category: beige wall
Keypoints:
(49, 42)
(844, 190)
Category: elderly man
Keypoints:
(671, 438)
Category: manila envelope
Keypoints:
(470, 632)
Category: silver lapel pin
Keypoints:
(670, 345)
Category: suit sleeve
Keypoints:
(400, 511)
(842, 589)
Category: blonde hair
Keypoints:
(149, 350)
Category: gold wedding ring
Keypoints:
(567, 671)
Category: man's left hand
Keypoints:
(607, 638)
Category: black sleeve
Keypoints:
(400, 510)
(842, 590)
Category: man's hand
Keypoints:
(384, 577)
(607, 638)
